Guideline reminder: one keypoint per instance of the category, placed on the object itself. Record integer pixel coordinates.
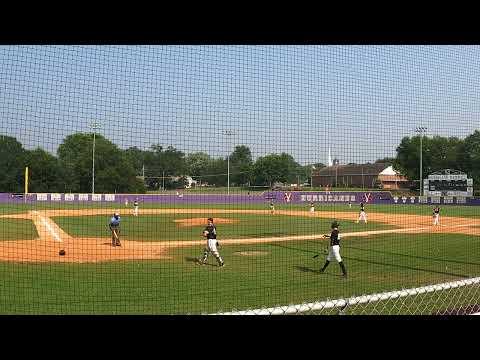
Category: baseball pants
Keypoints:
(212, 248)
(363, 216)
(334, 253)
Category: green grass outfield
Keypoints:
(446, 210)
(284, 274)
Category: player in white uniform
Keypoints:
(272, 208)
(135, 207)
(210, 233)
(312, 208)
(334, 250)
(363, 214)
(436, 216)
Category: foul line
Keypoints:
(49, 227)
(343, 303)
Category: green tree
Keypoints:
(437, 153)
(136, 157)
(198, 166)
(470, 157)
(241, 165)
(275, 168)
(113, 171)
(12, 164)
(45, 172)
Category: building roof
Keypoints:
(353, 169)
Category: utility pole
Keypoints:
(421, 130)
(228, 133)
(94, 126)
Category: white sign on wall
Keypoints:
(42, 197)
(96, 197)
(109, 197)
(83, 197)
(55, 197)
(69, 197)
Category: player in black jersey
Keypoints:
(334, 250)
(135, 207)
(363, 214)
(210, 233)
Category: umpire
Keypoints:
(334, 250)
(115, 229)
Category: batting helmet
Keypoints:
(335, 224)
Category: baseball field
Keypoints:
(269, 257)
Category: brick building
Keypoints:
(377, 175)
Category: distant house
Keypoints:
(189, 181)
(377, 175)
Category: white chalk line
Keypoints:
(49, 227)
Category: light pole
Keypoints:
(94, 126)
(421, 130)
(311, 176)
(228, 133)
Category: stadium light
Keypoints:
(228, 133)
(94, 126)
(421, 130)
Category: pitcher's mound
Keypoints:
(251, 253)
(203, 221)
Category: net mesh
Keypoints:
(272, 142)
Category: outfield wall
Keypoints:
(277, 197)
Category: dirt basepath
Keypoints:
(83, 250)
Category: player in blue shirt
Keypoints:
(115, 228)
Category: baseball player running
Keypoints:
(135, 207)
(115, 229)
(312, 208)
(436, 216)
(363, 214)
(334, 250)
(210, 233)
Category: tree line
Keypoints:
(134, 170)
(439, 153)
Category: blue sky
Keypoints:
(359, 100)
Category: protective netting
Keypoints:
(112, 159)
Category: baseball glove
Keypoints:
(218, 244)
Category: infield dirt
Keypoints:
(86, 249)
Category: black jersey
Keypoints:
(334, 238)
(212, 231)
(135, 203)
(436, 211)
(362, 207)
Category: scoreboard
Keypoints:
(448, 183)
(445, 185)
